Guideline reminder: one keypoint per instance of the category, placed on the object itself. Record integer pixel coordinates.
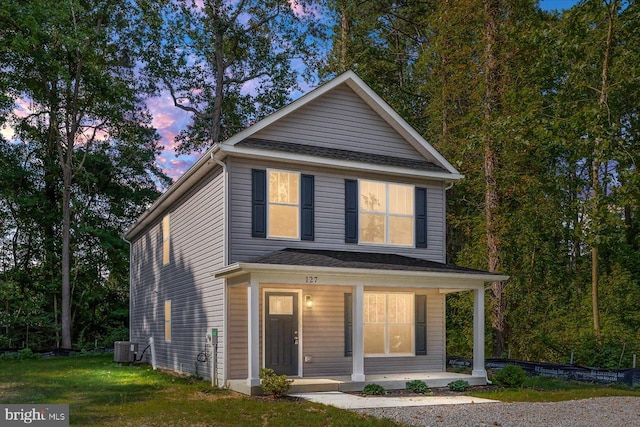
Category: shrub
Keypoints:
(418, 386)
(458, 385)
(274, 385)
(511, 376)
(374, 390)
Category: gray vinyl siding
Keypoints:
(340, 119)
(329, 214)
(197, 299)
(238, 333)
(435, 360)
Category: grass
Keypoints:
(102, 393)
(541, 389)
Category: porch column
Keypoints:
(478, 333)
(253, 322)
(358, 334)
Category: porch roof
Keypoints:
(348, 261)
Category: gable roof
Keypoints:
(373, 100)
(438, 168)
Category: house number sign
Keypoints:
(311, 279)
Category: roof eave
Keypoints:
(256, 153)
(241, 268)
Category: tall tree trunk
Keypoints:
(344, 36)
(490, 104)
(65, 320)
(596, 163)
(216, 125)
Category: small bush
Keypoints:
(274, 385)
(374, 390)
(459, 385)
(418, 386)
(511, 376)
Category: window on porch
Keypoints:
(388, 324)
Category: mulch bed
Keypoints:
(439, 391)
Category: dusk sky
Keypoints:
(170, 120)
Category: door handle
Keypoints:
(295, 340)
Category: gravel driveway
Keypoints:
(597, 412)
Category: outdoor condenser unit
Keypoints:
(124, 351)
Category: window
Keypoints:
(386, 214)
(166, 237)
(167, 320)
(388, 324)
(284, 205)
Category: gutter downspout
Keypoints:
(225, 261)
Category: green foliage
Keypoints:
(418, 386)
(374, 390)
(274, 385)
(458, 385)
(24, 354)
(106, 394)
(511, 376)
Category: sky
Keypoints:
(169, 120)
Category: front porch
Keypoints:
(344, 383)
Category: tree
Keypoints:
(73, 65)
(227, 63)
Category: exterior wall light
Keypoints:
(308, 302)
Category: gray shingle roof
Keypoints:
(339, 154)
(345, 259)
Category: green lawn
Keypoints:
(100, 393)
(541, 389)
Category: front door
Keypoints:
(281, 332)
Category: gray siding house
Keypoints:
(313, 242)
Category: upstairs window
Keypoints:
(166, 239)
(386, 213)
(284, 205)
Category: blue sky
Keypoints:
(557, 4)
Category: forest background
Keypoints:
(538, 109)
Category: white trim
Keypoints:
(300, 328)
(346, 275)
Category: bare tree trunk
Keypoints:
(66, 255)
(491, 101)
(344, 36)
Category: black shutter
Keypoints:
(421, 217)
(306, 208)
(258, 203)
(421, 325)
(348, 324)
(350, 211)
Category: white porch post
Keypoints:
(253, 318)
(478, 333)
(358, 334)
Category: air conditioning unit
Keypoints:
(124, 351)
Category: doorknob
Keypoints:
(295, 340)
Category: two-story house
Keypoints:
(313, 242)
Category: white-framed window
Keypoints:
(167, 320)
(166, 239)
(386, 213)
(283, 199)
(388, 324)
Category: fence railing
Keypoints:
(630, 377)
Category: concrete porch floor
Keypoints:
(344, 383)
